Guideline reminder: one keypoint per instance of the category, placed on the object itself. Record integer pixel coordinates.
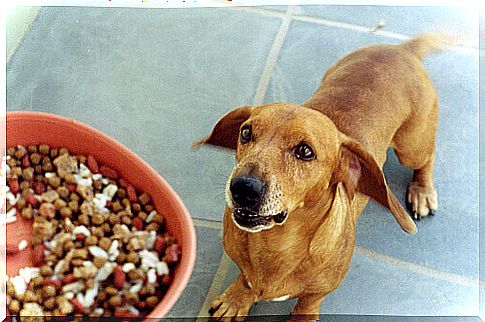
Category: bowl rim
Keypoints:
(188, 259)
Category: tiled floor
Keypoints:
(156, 80)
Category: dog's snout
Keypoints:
(247, 191)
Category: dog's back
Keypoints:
(356, 93)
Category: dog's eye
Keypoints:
(246, 134)
(304, 152)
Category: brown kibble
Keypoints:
(148, 289)
(98, 232)
(77, 262)
(68, 245)
(20, 152)
(58, 251)
(44, 149)
(133, 257)
(48, 291)
(97, 219)
(55, 182)
(35, 158)
(63, 151)
(81, 253)
(16, 171)
(47, 210)
(114, 219)
(116, 206)
(91, 241)
(152, 301)
(66, 212)
(136, 207)
(99, 261)
(21, 204)
(59, 203)
(63, 192)
(32, 148)
(104, 243)
(153, 226)
(144, 198)
(126, 220)
(14, 306)
(81, 159)
(11, 151)
(102, 296)
(149, 208)
(132, 298)
(74, 196)
(98, 185)
(110, 290)
(121, 258)
(47, 167)
(46, 270)
(30, 296)
(83, 219)
(90, 283)
(126, 202)
(106, 227)
(36, 281)
(38, 169)
(36, 240)
(28, 174)
(54, 153)
(73, 205)
(50, 303)
(24, 185)
(27, 213)
(115, 301)
(121, 193)
(135, 274)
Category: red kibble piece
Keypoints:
(173, 253)
(25, 161)
(142, 305)
(119, 277)
(78, 308)
(68, 279)
(166, 280)
(122, 313)
(108, 203)
(92, 164)
(39, 188)
(108, 172)
(80, 237)
(71, 186)
(13, 184)
(159, 245)
(122, 182)
(137, 223)
(32, 200)
(130, 191)
(38, 255)
(56, 283)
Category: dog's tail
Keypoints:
(427, 43)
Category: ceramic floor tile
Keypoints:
(156, 80)
(374, 287)
(407, 20)
(209, 252)
(448, 241)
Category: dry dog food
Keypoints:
(99, 247)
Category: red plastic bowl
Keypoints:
(26, 128)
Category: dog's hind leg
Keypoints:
(307, 308)
(414, 144)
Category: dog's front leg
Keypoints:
(307, 308)
(235, 302)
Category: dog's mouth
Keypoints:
(249, 220)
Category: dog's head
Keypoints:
(288, 156)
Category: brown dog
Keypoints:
(305, 172)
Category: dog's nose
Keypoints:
(246, 191)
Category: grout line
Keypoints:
(345, 25)
(207, 223)
(215, 287)
(273, 57)
(416, 268)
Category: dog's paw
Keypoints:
(422, 200)
(230, 307)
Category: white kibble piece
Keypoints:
(98, 311)
(114, 247)
(7, 169)
(12, 199)
(28, 272)
(136, 288)
(98, 252)
(19, 285)
(11, 213)
(104, 181)
(151, 276)
(105, 271)
(97, 176)
(110, 190)
(86, 182)
(162, 268)
(30, 310)
(73, 287)
(81, 230)
(50, 175)
(88, 264)
(58, 267)
(8, 220)
(133, 310)
(150, 242)
(23, 244)
(150, 216)
(69, 295)
(84, 171)
(128, 267)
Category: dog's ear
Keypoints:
(226, 131)
(359, 172)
